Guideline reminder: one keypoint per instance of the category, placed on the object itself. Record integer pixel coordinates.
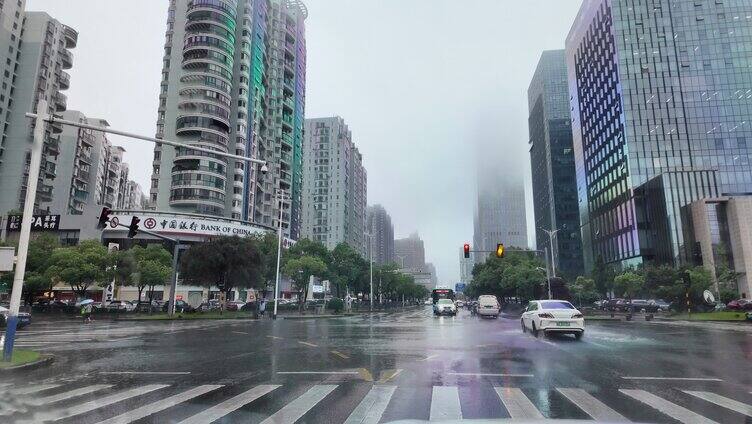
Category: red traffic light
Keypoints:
(104, 218)
(466, 249)
(133, 228)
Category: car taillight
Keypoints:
(577, 316)
(546, 315)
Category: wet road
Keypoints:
(380, 368)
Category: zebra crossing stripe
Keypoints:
(32, 389)
(230, 405)
(99, 403)
(725, 402)
(372, 407)
(445, 403)
(160, 405)
(294, 410)
(592, 406)
(71, 394)
(671, 409)
(517, 404)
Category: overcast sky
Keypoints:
(425, 85)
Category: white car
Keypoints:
(553, 316)
(428, 302)
(120, 305)
(444, 306)
(488, 306)
(460, 304)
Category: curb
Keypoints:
(303, 317)
(182, 319)
(42, 361)
(602, 319)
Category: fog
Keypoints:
(426, 86)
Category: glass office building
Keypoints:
(656, 87)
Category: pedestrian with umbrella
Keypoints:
(86, 308)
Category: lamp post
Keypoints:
(280, 196)
(551, 234)
(370, 263)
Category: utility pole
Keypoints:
(280, 194)
(551, 235)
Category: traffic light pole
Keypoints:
(23, 241)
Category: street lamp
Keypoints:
(551, 234)
(370, 263)
(280, 196)
(548, 278)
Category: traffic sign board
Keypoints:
(114, 222)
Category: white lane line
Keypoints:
(340, 354)
(218, 411)
(480, 374)
(723, 401)
(445, 403)
(294, 410)
(391, 376)
(673, 410)
(241, 332)
(318, 372)
(428, 358)
(673, 378)
(161, 405)
(372, 407)
(32, 389)
(99, 403)
(145, 372)
(274, 337)
(309, 344)
(71, 394)
(592, 406)
(517, 404)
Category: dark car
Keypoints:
(659, 305)
(639, 305)
(740, 305)
(612, 304)
(24, 318)
(181, 306)
(154, 306)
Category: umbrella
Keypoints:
(85, 302)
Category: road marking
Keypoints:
(445, 403)
(145, 372)
(308, 344)
(99, 403)
(294, 410)
(725, 402)
(67, 395)
(318, 372)
(592, 406)
(671, 409)
(241, 332)
(275, 337)
(480, 374)
(428, 358)
(340, 354)
(372, 407)
(673, 378)
(365, 374)
(32, 389)
(216, 412)
(517, 404)
(153, 408)
(388, 376)
(485, 345)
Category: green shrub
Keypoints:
(335, 304)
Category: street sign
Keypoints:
(114, 221)
(460, 287)
(38, 223)
(708, 296)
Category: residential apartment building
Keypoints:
(552, 163)
(35, 54)
(380, 227)
(134, 198)
(410, 253)
(660, 104)
(334, 186)
(233, 79)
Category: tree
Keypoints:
(583, 290)
(347, 268)
(36, 278)
(227, 262)
(266, 244)
(154, 268)
(300, 271)
(603, 276)
(517, 275)
(126, 268)
(82, 266)
(629, 284)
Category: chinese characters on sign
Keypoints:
(38, 223)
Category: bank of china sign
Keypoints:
(194, 226)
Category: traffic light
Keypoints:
(466, 248)
(500, 250)
(133, 228)
(104, 218)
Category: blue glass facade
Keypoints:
(656, 87)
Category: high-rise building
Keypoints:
(499, 212)
(409, 253)
(334, 186)
(466, 267)
(35, 54)
(134, 198)
(380, 226)
(233, 79)
(431, 269)
(552, 162)
(660, 105)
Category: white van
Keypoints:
(488, 305)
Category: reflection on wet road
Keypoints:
(379, 368)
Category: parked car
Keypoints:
(181, 306)
(234, 305)
(611, 304)
(488, 306)
(121, 306)
(154, 306)
(639, 305)
(24, 318)
(212, 305)
(552, 316)
(740, 305)
(659, 305)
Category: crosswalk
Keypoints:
(291, 403)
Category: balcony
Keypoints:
(64, 80)
(67, 58)
(80, 195)
(71, 37)
(50, 170)
(57, 127)
(61, 102)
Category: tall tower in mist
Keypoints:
(499, 209)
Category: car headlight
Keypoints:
(577, 316)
